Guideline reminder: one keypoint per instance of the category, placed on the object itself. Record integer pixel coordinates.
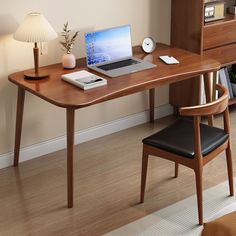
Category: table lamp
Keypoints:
(35, 29)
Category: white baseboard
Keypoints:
(56, 144)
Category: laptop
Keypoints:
(109, 52)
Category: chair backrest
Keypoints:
(211, 108)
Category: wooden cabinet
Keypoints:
(215, 39)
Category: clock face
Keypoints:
(148, 45)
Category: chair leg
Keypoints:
(230, 171)
(198, 176)
(176, 169)
(143, 175)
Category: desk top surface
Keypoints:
(56, 91)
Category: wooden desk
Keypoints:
(62, 94)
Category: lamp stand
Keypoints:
(36, 74)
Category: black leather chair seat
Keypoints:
(178, 138)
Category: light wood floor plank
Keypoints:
(107, 182)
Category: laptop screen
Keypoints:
(108, 45)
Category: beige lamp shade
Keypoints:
(35, 28)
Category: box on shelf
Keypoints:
(214, 11)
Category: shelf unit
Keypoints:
(215, 39)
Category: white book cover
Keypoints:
(84, 79)
(217, 82)
(202, 89)
(231, 95)
(222, 78)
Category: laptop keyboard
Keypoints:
(119, 64)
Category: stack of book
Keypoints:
(224, 79)
(84, 79)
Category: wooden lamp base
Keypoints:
(35, 76)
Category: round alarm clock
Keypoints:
(148, 45)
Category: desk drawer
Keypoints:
(219, 34)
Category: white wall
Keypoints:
(43, 121)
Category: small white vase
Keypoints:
(68, 61)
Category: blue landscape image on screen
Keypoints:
(108, 45)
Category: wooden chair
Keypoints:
(192, 144)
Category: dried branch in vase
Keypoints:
(68, 42)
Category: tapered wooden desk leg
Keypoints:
(19, 118)
(209, 91)
(152, 103)
(70, 115)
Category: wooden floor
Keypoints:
(107, 182)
